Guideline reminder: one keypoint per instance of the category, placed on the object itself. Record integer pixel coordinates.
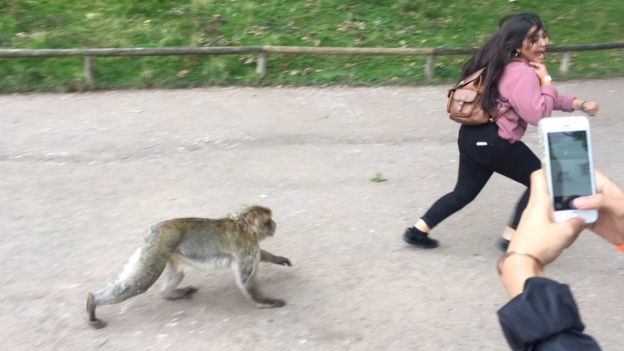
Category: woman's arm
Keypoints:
(530, 100)
(516, 269)
(587, 106)
(542, 314)
(529, 323)
(565, 103)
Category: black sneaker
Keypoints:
(503, 244)
(415, 237)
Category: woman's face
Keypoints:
(534, 46)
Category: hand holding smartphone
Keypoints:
(568, 162)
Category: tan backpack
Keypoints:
(464, 101)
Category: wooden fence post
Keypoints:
(88, 71)
(261, 64)
(565, 63)
(429, 67)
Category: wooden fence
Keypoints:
(264, 51)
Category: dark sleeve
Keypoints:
(544, 317)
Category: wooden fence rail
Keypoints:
(264, 51)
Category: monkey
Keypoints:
(175, 245)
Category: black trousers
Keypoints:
(481, 153)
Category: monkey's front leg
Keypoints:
(266, 256)
(246, 281)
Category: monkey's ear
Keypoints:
(252, 219)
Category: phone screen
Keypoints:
(570, 168)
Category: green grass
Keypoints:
(357, 23)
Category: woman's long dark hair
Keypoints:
(498, 51)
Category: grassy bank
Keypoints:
(358, 23)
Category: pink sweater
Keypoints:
(519, 88)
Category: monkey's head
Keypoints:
(258, 218)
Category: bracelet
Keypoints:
(545, 80)
(499, 264)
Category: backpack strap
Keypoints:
(476, 75)
(499, 113)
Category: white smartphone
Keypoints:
(568, 163)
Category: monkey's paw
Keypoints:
(97, 324)
(272, 303)
(180, 293)
(282, 261)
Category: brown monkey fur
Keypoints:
(174, 245)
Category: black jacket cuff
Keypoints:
(543, 310)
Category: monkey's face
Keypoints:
(266, 227)
(260, 220)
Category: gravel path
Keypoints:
(84, 175)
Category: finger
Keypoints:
(574, 225)
(573, 228)
(589, 202)
(539, 189)
(605, 185)
(601, 180)
(573, 238)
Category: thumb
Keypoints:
(589, 202)
(539, 189)
(574, 226)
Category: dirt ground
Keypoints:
(84, 175)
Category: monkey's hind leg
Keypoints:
(111, 294)
(93, 322)
(132, 281)
(173, 275)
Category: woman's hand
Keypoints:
(609, 201)
(539, 68)
(538, 234)
(590, 107)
